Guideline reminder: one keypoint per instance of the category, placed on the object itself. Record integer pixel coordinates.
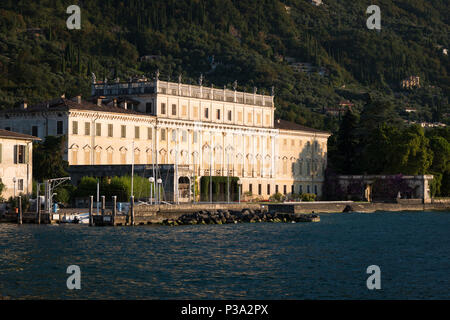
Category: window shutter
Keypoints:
(15, 153)
(26, 153)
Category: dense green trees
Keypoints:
(48, 159)
(249, 40)
(380, 145)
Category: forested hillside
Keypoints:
(250, 41)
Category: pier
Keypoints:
(198, 213)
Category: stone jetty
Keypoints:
(230, 217)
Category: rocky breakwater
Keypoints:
(246, 215)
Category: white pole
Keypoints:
(98, 195)
(176, 168)
(151, 180)
(228, 177)
(132, 168)
(210, 174)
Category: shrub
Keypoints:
(308, 197)
(277, 197)
(2, 188)
(14, 202)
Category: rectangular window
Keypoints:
(59, 127)
(268, 189)
(98, 129)
(163, 108)
(218, 114)
(284, 189)
(206, 113)
(174, 109)
(149, 107)
(250, 188)
(123, 131)
(230, 113)
(308, 190)
(19, 154)
(163, 134)
(74, 127)
(258, 119)
(149, 133)
(276, 188)
(110, 130)
(292, 189)
(87, 129)
(259, 189)
(249, 117)
(300, 189)
(20, 184)
(174, 135)
(184, 111)
(34, 130)
(137, 132)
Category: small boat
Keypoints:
(81, 218)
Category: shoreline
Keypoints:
(155, 214)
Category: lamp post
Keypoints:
(210, 174)
(239, 190)
(152, 180)
(228, 150)
(158, 183)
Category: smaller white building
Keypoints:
(16, 165)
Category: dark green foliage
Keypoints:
(219, 188)
(379, 144)
(2, 188)
(48, 159)
(14, 202)
(115, 186)
(249, 41)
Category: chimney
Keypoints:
(99, 102)
(125, 105)
(79, 99)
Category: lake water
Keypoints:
(325, 260)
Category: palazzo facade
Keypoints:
(199, 128)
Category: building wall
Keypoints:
(248, 146)
(10, 170)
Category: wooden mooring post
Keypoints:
(132, 210)
(103, 206)
(114, 210)
(91, 207)
(20, 211)
(38, 213)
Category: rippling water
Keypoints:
(325, 260)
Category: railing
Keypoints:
(181, 90)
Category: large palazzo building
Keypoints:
(193, 127)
